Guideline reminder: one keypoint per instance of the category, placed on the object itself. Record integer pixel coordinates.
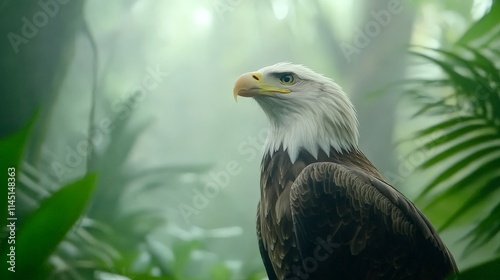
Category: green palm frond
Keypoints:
(466, 140)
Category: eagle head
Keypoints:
(306, 110)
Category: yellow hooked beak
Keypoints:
(250, 84)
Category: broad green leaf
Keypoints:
(47, 226)
(11, 152)
(481, 28)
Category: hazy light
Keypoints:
(479, 8)
(280, 8)
(202, 17)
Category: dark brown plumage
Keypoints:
(325, 212)
(337, 214)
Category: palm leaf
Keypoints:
(483, 26)
(484, 231)
(487, 270)
(459, 148)
(469, 138)
(463, 164)
(479, 197)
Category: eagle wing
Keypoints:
(350, 225)
(263, 252)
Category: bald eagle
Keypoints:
(325, 212)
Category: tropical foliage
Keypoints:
(464, 102)
(110, 217)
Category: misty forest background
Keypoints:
(134, 162)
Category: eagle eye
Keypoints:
(287, 79)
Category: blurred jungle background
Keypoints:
(132, 161)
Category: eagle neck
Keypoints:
(315, 134)
(280, 164)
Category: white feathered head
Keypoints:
(306, 110)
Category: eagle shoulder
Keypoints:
(370, 226)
